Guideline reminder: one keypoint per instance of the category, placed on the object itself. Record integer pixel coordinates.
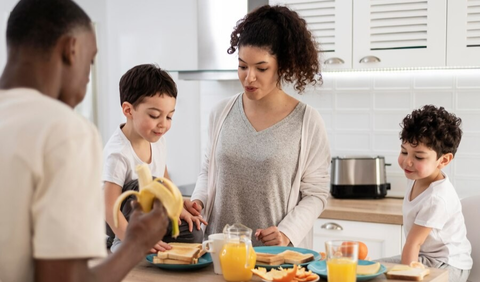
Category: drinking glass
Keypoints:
(342, 259)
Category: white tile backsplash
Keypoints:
(353, 100)
(362, 112)
(392, 100)
(439, 98)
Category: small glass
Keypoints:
(342, 259)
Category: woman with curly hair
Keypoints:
(432, 213)
(268, 158)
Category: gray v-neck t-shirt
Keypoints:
(256, 170)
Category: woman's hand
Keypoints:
(192, 219)
(271, 236)
(193, 207)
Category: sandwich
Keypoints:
(288, 256)
(180, 253)
(405, 272)
(293, 257)
(270, 259)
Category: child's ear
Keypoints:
(445, 159)
(127, 109)
(68, 46)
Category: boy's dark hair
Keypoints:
(434, 127)
(40, 23)
(285, 35)
(145, 81)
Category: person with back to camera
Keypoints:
(52, 219)
(268, 158)
(148, 97)
(432, 213)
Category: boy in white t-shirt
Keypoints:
(148, 97)
(432, 213)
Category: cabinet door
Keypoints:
(399, 33)
(330, 22)
(382, 240)
(463, 33)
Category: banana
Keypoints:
(160, 188)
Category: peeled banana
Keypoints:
(160, 188)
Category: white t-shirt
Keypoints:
(121, 160)
(439, 208)
(52, 207)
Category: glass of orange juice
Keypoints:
(342, 258)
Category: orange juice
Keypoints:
(233, 260)
(341, 270)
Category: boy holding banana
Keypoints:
(148, 97)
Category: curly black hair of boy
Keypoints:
(434, 127)
(145, 80)
(285, 35)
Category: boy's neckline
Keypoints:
(415, 193)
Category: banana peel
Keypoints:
(149, 190)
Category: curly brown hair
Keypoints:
(434, 127)
(285, 35)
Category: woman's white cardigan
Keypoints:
(310, 189)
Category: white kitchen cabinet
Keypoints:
(331, 24)
(382, 240)
(399, 33)
(463, 33)
(376, 33)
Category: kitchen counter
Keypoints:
(146, 272)
(386, 210)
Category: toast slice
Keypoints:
(293, 257)
(168, 261)
(270, 259)
(186, 245)
(405, 272)
(181, 252)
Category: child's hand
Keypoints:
(191, 219)
(160, 246)
(193, 208)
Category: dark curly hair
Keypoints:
(434, 127)
(143, 81)
(285, 35)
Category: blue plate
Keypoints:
(320, 267)
(203, 261)
(279, 249)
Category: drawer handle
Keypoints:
(334, 61)
(332, 226)
(369, 59)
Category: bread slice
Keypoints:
(186, 245)
(405, 272)
(293, 257)
(168, 261)
(270, 259)
(180, 252)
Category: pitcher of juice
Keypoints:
(237, 257)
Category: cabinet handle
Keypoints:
(332, 226)
(334, 61)
(369, 59)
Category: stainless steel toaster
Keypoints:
(359, 177)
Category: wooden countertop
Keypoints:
(146, 272)
(387, 210)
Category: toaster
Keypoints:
(358, 177)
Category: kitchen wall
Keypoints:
(362, 112)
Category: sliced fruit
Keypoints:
(368, 269)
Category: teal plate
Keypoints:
(203, 261)
(279, 249)
(320, 268)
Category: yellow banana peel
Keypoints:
(149, 190)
